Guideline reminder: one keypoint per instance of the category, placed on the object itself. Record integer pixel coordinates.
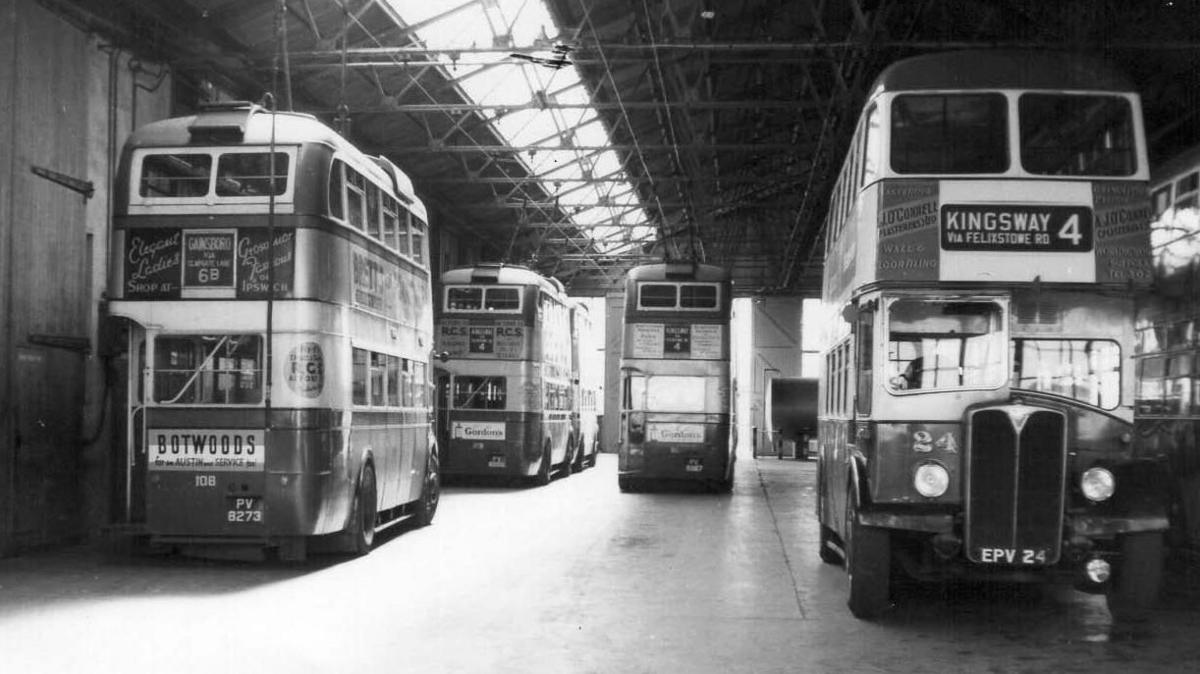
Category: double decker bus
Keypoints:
(676, 416)
(509, 382)
(271, 301)
(1167, 416)
(586, 426)
(984, 244)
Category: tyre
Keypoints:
(868, 565)
(545, 470)
(361, 529)
(430, 492)
(827, 552)
(626, 483)
(1139, 579)
(574, 457)
(725, 484)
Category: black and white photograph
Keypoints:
(599, 336)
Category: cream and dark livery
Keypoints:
(508, 390)
(676, 414)
(985, 242)
(270, 301)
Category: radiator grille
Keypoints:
(1016, 462)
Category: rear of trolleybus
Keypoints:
(676, 421)
(506, 384)
(986, 237)
(275, 358)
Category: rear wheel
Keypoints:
(725, 484)
(626, 483)
(430, 492)
(1140, 576)
(362, 516)
(544, 470)
(575, 460)
(868, 565)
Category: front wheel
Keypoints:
(575, 456)
(430, 492)
(626, 483)
(828, 554)
(868, 565)
(1139, 579)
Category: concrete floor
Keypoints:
(573, 577)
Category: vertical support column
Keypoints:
(614, 330)
(8, 70)
(775, 329)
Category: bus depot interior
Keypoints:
(286, 277)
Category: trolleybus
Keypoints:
(1168, 383)
(583, 353)
(270, 295)
(984, 242)
(676, 416)
(509, 382)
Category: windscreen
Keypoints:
(938, 345)
(1087, 370)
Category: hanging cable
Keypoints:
(342, 120)
(287, 67)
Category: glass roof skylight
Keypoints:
(556, 143)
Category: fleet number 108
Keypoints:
(206, 480)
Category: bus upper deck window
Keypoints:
(694, 296)
(336, 188)
(657, 295)
(464, 299)
(1161, 199)
(417, 232)
(949, 133)
(391, 221)
(502, 299)
(248, 174)
(1186, 190)
(175, 175)
(1077, 135)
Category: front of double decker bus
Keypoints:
(676, 386)
(997, 441)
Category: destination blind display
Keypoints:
(496, 338)
(995, 227)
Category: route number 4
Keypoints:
(1070, 230)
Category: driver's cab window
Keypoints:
(948, 344)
